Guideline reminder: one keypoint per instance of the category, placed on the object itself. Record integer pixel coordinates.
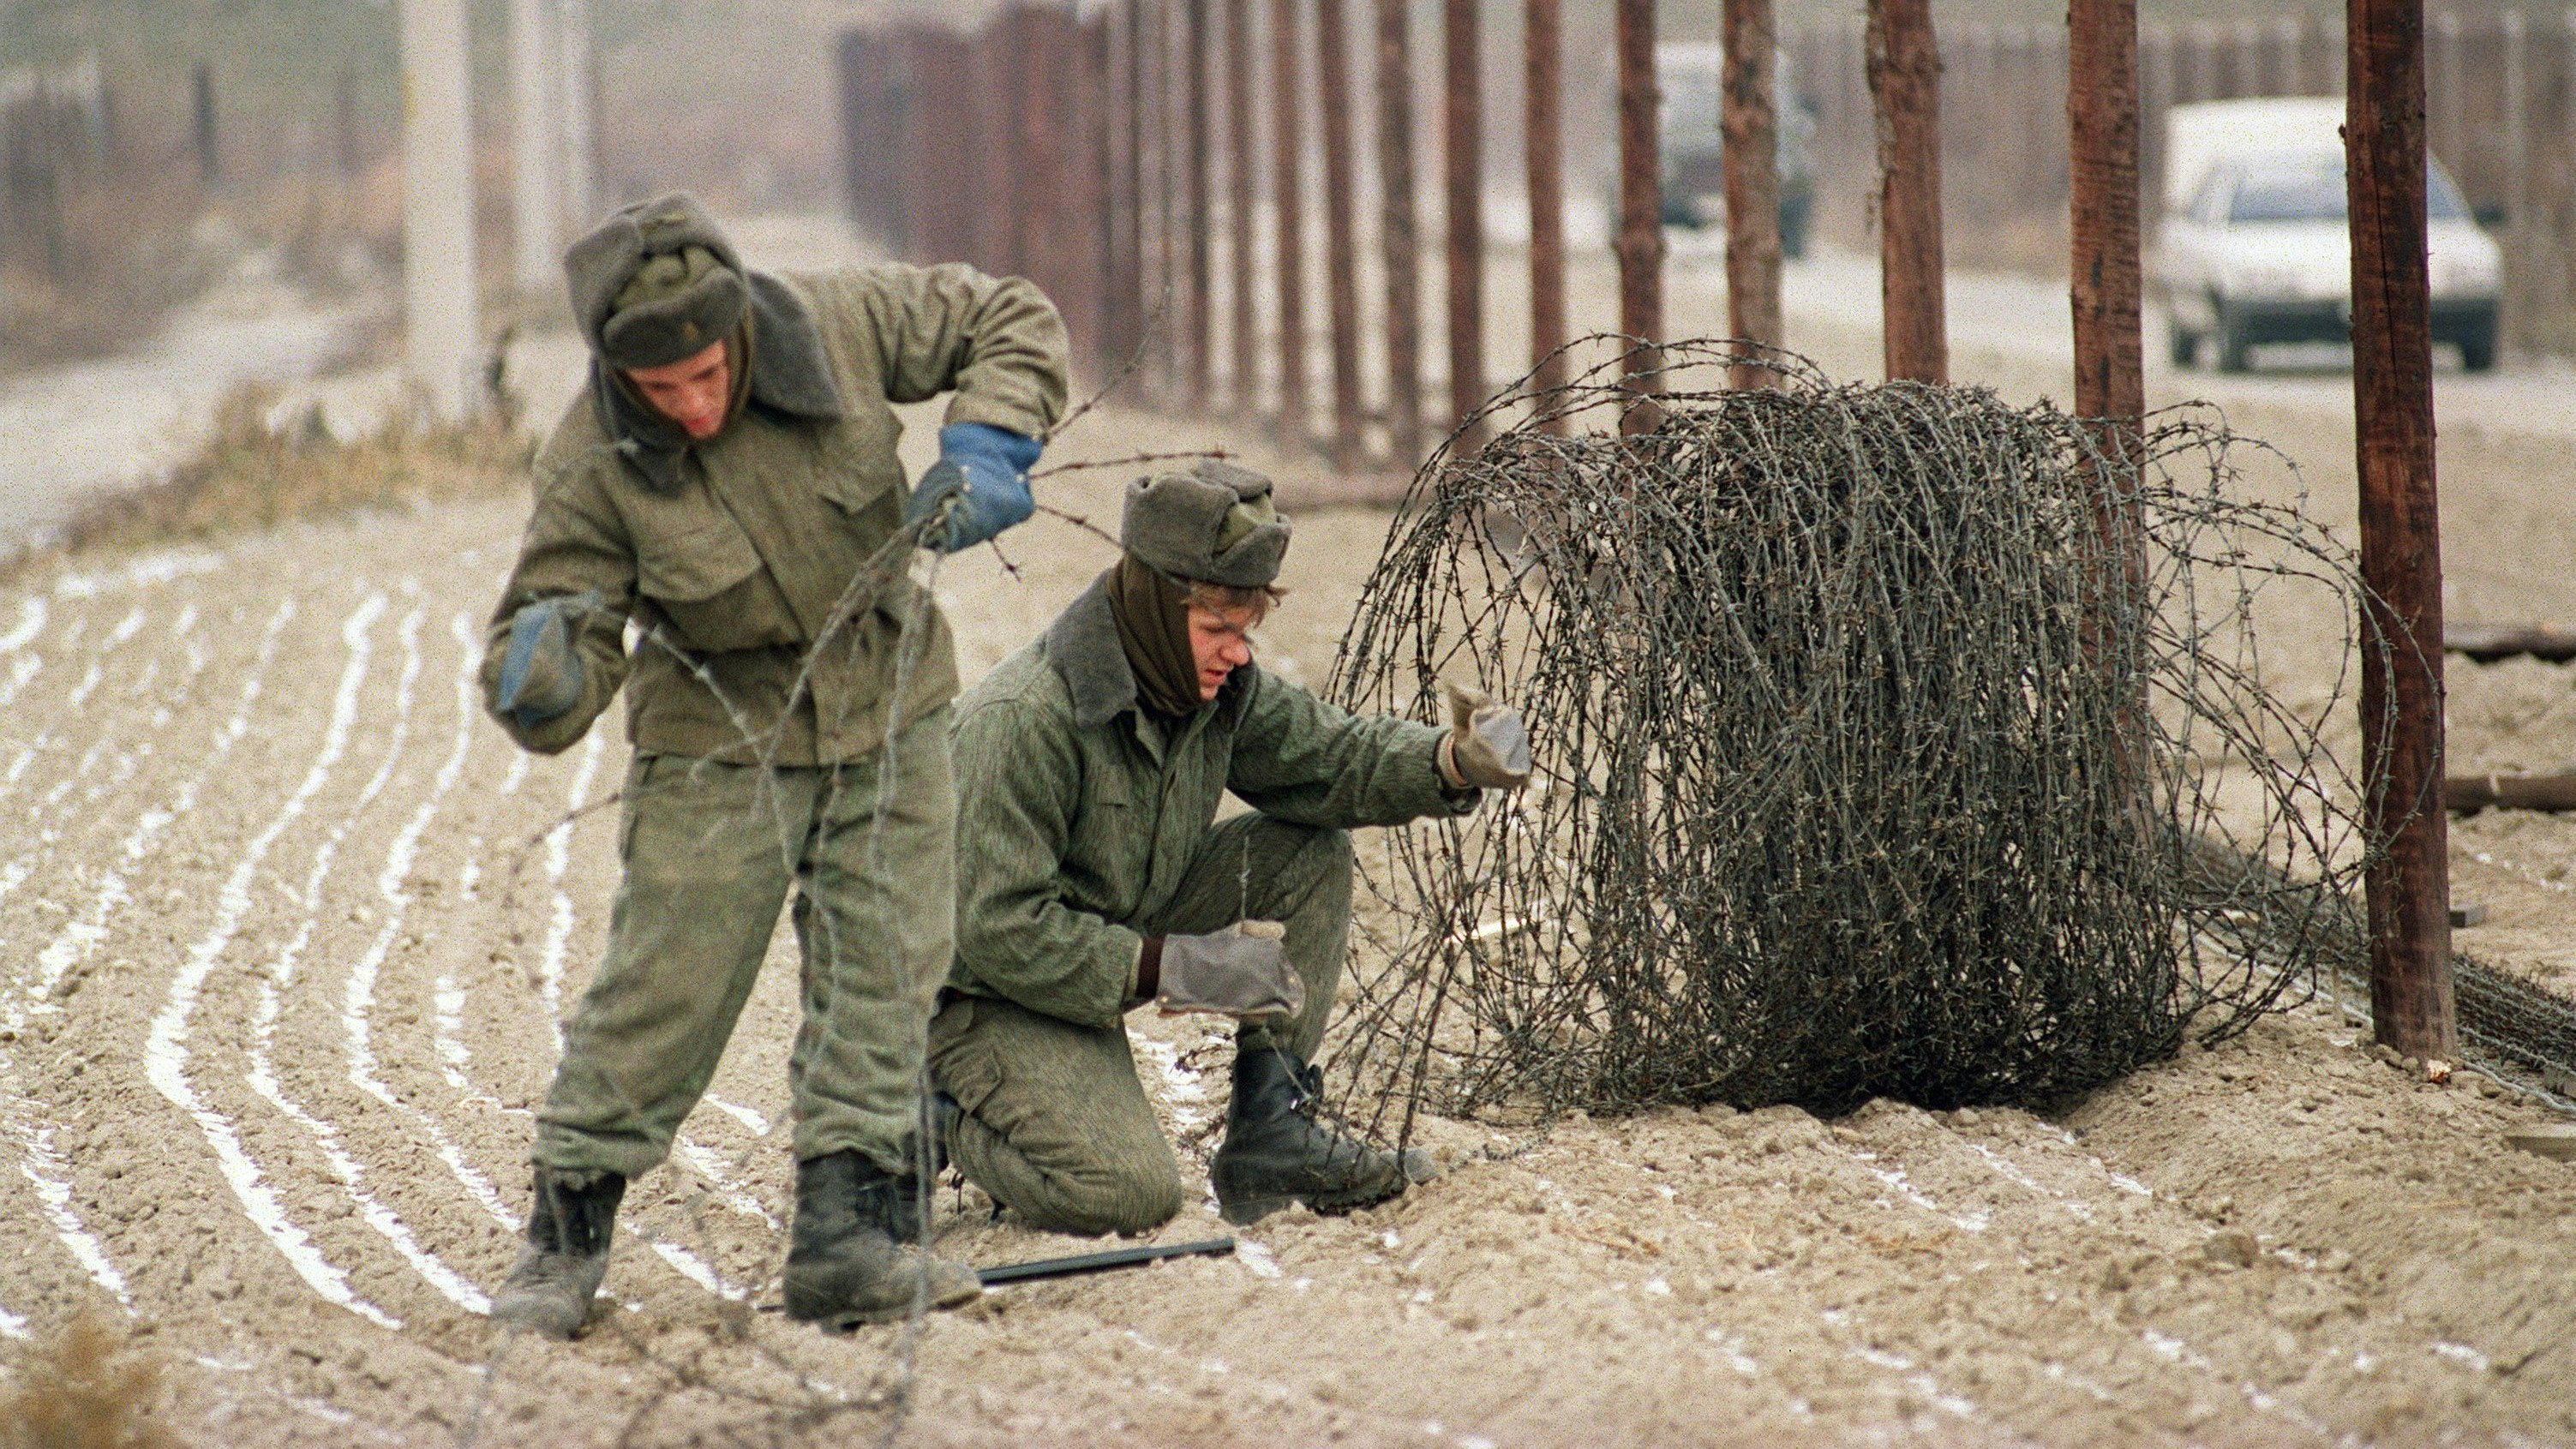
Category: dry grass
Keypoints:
(88, 1389)
(258, 470)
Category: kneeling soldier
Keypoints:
(725, 482)
(1093, 877)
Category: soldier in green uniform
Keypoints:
(728, 488)
(1093, 876)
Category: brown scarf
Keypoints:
(1153, 618)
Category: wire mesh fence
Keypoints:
(1891, 741)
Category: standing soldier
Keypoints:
(1093, 877)
(730, 486)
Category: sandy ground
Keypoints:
(286, 927)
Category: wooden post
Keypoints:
(1341, 255)
(442, 328)
(1750, 127)
(532, 146)
(210, 160)
(1240, 143)
(1640, 243)
(1462, 163)
(1288, 237)
(2102, 131)
(1543, 129)
(2401, 555)
(1403, 241)
(1905, 75)
(1129, 286)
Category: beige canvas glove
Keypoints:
(1487, 745)
(1240, 971)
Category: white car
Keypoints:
(2254, 248)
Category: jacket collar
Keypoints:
(1083, 646)
(790, 374)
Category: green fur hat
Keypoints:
(655, 283)
(1213, 522)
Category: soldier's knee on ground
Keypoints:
(1127, 1199)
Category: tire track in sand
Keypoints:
(166, 1052)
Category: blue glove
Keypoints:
(540, 671)
(981, 478)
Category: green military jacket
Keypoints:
(731, 555)
(1079, 812)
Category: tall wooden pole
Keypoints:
(2401, 551)
(1641, 204)
(532, 148)
(1288, 237)
(1543, 126)
(1194, 65)
(2102, 130)
(1403, 240)
(1129, 284)
(1341, 251)
(1905, 77)
(1240, 141)
(576, 80)
(441, 327)
(1750, 123)
(1463, 166)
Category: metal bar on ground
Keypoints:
(1403, 238)
(1288, 236)
(1543, 132)
(1341, 251)
(1099, 1262)
(2469, 793)
(2487, 643)
(1462, 166)
(1905, 78)
(1194, 65)
(1241, 144)
(1749, 121)
(1640, 243)
(2408, 887)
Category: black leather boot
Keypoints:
(1276, 1153)
(549, 1290)
(844, 1266)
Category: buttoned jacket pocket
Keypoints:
(699, 566)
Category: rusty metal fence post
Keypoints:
(1750, 155)
(2408, 889)
(1402, 239)
(1543, 129)
(1640, 242)
(1905, 76)
(1341, 254)
(1462, 164)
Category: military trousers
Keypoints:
(711, 852)
(1056, 1126)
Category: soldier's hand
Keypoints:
(540, 670)
(981, 481)
(1487, 745)
(1240, 971)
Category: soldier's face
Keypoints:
(1220, 643)
(692, 392)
